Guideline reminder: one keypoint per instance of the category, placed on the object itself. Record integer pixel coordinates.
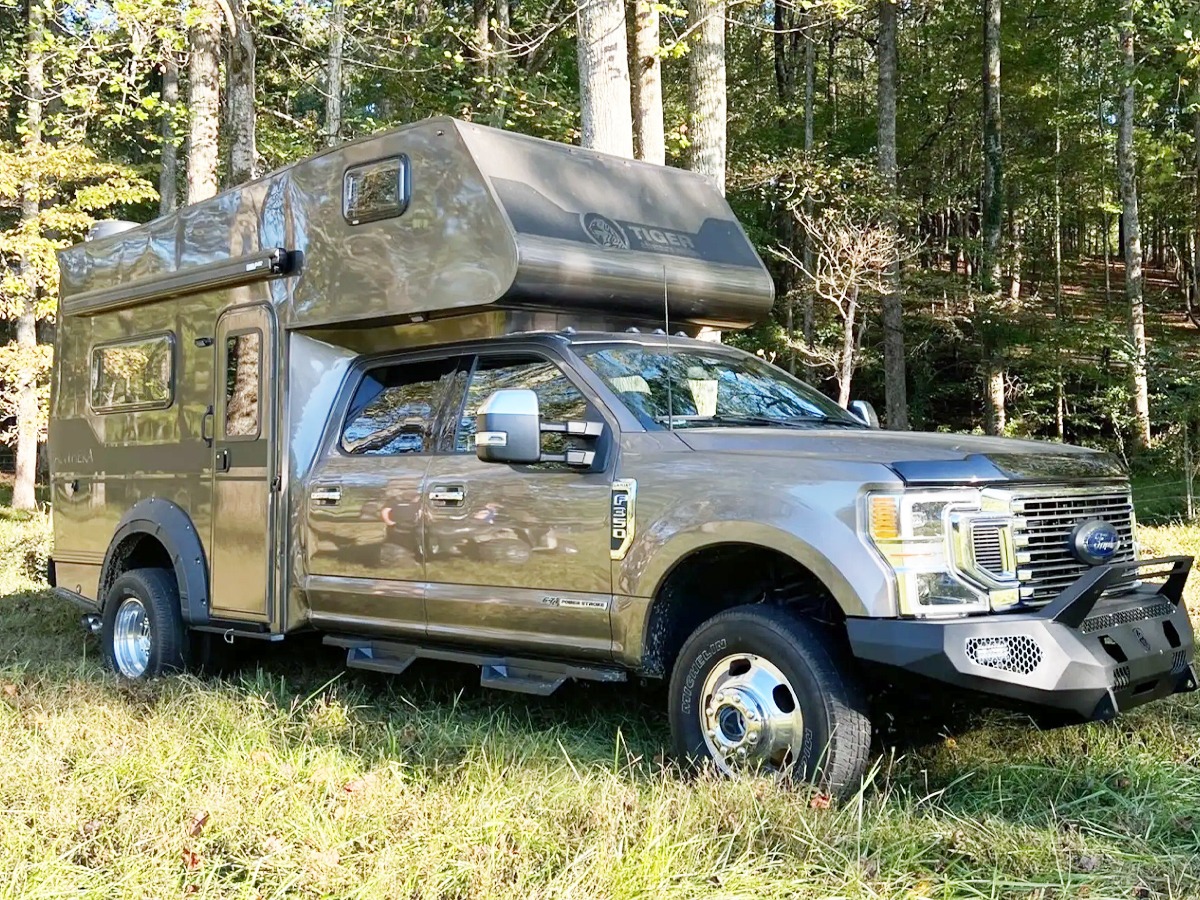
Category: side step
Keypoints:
(524, 676)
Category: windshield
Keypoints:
(708, 388)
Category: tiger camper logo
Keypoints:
(605, 231)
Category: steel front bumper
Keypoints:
(1081, 653)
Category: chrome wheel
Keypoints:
(131, 638)
(750, 715)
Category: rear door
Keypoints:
(243, 464)
(364, 534)
(518, 557)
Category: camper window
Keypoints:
(376, 190)
(131, 375)
(243, 362)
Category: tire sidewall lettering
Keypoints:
(703, 658)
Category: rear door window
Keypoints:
(396, 409)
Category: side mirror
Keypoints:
(864, 412)
(508, 428)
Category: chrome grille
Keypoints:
(1041, 533)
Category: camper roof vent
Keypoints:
(568, 331)
(633, 329)
(107, 227)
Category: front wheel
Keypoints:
(142, 630)
(759, 689)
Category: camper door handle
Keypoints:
(222, 460)
(448, 494)
(329, 496)
(206, 424)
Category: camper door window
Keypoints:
(243, 384)
(132, 375)
(376, 190)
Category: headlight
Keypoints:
(929, 540)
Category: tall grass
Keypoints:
(296, 779)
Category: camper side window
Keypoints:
(395, 408)
(133, 374)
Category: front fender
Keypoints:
(813, 523)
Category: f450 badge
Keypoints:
(624, 498)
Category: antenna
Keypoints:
(667, 329)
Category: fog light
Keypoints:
(1017, 653)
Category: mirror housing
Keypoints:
(864, 412)
(508, 428)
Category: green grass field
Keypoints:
(295, 778)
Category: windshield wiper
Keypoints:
(823, 420)
(701, 421)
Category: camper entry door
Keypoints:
(243, 463)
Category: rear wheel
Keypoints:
(142, 630)
(759, 689)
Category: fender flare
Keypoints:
(171, 526)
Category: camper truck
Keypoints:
(437, 394)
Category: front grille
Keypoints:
(1021, 654)
(1041, 536)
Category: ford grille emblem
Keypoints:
(1094, 542)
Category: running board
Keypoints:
(524, 676)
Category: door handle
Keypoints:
(222, 461)
(206, 424)
(448, 494)
(329, 496)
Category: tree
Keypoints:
(168, 178)
(606, 114)
(27, 390)
(243, 147)
(647, 84)
(707, 110)
(203, 100)
(333, 72)
(895, 372)
(1127, 180)
(852, 258)
(993, 205)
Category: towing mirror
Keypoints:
(864, 412)
(509, 428)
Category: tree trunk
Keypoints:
(895, 375)
(243, 147)
(706, 89)
(647, 84)
(168, 176)
(25, 481)
(333, 72)
(993, 177)
(784, 16)
(1127, 177)
(604, 90)
(996, 416)
(483, 44)
(1196, 211)
(203, 102)
(846, 364)
(502, 45)
(810, 86)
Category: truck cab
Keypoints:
(439, 394)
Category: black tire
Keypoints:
(158, 593)
(836, 729)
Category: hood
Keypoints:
(916, 457)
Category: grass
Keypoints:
(296, 779)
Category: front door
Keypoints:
(518, 557)
(243, 464)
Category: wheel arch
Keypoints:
(710, 578)
(158, 533)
